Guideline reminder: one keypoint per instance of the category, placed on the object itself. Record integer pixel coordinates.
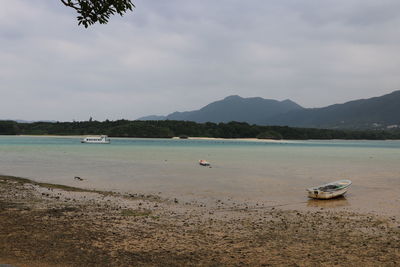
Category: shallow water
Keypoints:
(269, 173)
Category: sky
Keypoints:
(180, 55)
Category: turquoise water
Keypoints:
(268, 172)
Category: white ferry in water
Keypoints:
(103, 139)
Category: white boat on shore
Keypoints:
(202, 162)
(328, 191)
(103, 139)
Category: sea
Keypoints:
(262, 173)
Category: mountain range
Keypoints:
(374, 113)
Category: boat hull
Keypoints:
(103, 139)
(95, 142)
(331, 190)
(204, 163)
(316, 194)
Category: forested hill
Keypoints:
(253, 110)
(377, 112)
(381, 112)
(168, 129)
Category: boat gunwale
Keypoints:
(320, 187)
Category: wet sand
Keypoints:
(51, 225)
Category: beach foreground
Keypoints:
(52, 225)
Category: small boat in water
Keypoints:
(103, 139)
(202, 162)
(328, 191)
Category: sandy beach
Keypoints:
(240, 139)
(52, 225)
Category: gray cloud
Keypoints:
(182, 54)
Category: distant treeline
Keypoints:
(168, 129)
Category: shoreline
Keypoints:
(208, 138)
(54, 225)
(241, 139)
(172, 138)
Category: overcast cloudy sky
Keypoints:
(182, 54)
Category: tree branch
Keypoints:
(92, 11)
